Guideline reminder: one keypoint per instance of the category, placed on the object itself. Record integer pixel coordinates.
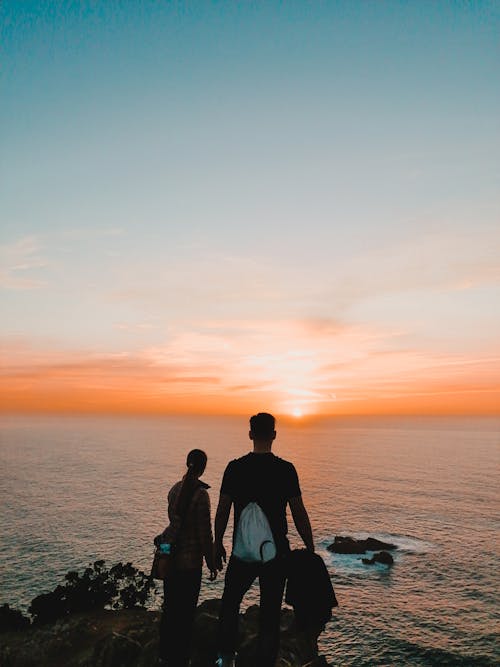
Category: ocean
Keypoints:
(75, 489)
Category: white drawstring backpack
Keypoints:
(254, 541)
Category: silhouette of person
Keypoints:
(190, 530)
(272, 483)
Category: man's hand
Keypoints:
(219, 555)
(221, 519)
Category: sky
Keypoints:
(227, 207)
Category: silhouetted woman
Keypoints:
(191, 531)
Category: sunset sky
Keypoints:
(224, 207)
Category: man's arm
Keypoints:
(205, 531)
(221, 519)
(301, 521)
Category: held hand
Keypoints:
(158, 540)
(219, 556)
(209, 560)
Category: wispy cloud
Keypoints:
(139, 326)
(19, 263)
(91, 233)
(444, 261)
(214, 284)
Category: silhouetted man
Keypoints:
(263, 478)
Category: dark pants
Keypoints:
(239, 578)
(181, 590)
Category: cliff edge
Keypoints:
(129, 638)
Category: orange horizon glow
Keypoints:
(325, 369)
(101, 392)
(461, 404)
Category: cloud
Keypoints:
(443, 261)
(139, 326)
(198, 285)
(312, 366)
(18, 262)
(208, 285)
(37, 379)
(316, 363)
(91, 233)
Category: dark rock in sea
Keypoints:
(383, 557)
(129, 638)
(349, 545)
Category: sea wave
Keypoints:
(403, 652)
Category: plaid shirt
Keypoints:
(194, 538)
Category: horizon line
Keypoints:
(224, 415)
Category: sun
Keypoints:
(297, 412)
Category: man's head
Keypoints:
(262, 430)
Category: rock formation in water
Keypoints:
(350, 545)
(129, 638)
(383, 557)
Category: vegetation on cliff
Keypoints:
(98, 619)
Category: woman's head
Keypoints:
(196, 461)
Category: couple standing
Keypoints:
(259, 477)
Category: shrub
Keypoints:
(120, 587)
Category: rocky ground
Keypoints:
(129, 638)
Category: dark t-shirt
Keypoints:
(267, 480)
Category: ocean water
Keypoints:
(76, 489)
